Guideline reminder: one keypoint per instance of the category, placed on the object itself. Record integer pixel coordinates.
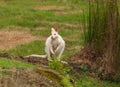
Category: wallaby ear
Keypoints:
(54, 30)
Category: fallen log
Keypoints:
(56, 77)
(38, 56)
(42, 57)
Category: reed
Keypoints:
(103, 29)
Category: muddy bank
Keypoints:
(47, 76)
(13, 77)
(89, 59)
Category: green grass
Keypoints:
(8, 63)
(87, 81)
(36, 47)
(22, 13)
(25, 13)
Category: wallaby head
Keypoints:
(54, 33)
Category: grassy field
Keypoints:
(36, 17)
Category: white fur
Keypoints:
(54, 45)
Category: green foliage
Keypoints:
(84, 67)
(57, 65)
(66, 82)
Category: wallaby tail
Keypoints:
(38, 56)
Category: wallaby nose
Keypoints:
(52, 37)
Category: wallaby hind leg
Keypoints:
(60, 51)
(48, 53)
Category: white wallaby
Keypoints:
(54, 45)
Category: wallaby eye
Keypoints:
(54, 34)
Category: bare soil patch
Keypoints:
(2, 3)
(9, 39)
(67, 13)
(40, 28)
(87, 55)
(24, 78)
(52, 7)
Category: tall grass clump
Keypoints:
(96, 22)
(103, 30)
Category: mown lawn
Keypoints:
(37, 17)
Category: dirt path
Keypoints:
(52, 7)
